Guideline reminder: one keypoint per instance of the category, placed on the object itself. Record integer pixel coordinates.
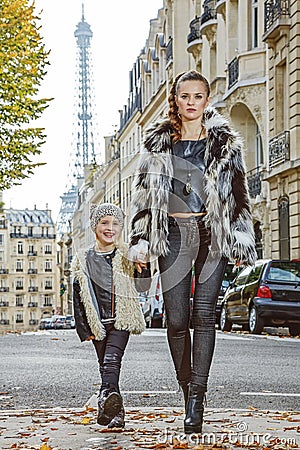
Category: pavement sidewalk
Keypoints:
(76, 429)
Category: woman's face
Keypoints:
(108, 230)
(191, 99)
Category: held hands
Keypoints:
(90, 338)
(140, 266)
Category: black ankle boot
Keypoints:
(185, 389)
(109, 405)
(118, 421)
(194, 410)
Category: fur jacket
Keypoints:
(128, 311)
(227, 200)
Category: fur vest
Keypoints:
(129, 315)
(227, 202)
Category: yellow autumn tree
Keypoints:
(23, 60)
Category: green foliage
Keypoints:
(23, 60)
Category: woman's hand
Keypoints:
(140, 266)
(90, 338)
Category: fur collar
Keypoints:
(128, 311)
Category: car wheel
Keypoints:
(256, 323)
(294, 329)
(225, 324)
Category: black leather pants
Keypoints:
(189, 245)
(110, 352)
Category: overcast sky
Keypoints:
(120, 29)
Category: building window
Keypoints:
(258, 240)
(1, 239)
(258, 148)
(284, 228)
(48, 283)
(19, 265)
(19, 317)
(48, 249)
(19, 300)
(20, 248)
(254, 27)
(48, 300)
(19, 283)
(48, 265)
(30, 231)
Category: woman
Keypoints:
(191, 205)
(106, 305)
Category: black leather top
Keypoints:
(100, 271)
(188, 158)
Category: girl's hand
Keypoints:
(140, 266)
(90, 338)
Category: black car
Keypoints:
(231, 272)
(266, 294)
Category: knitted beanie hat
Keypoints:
(105, 209)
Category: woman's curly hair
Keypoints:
(173, 108)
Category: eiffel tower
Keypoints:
(83, 154)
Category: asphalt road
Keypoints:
(48, 369)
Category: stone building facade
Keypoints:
(249, 51)
(29, 279)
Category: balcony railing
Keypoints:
(34, 253)
(254, 182)
(32, 304)
(47, 305)
(33, 289)
(279, 149)
(48, 287)
(209, 11)
(194, 33)
(274, 10)
(19, 320)
(19, 288)
(33, 322)
(4, 304)
(169, 51)
(32, 271)
(3, 271)
(4, 289)
(4, 322)
(233, 72)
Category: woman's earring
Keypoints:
(179, 115)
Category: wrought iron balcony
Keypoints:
(279, 148)
(275, 10)
(169, 51)
(194, 33)
(33, 253)
(4, 289)
(4, 304)
(33, 322)
(3, 271)
(33, 289)
(32, 305)
(209, 11)
(254, 182)
(48, 287)
(32, 271)
(233, 72)
(47, 305)
(4, 322)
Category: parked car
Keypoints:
(265, 294)
(45, 323)
(58, 322)
(70, 322)
(153, 306)
(231, 272)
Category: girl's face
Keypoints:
(108, 231)
(191, 99)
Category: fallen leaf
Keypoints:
(85, 421)
(45, 447)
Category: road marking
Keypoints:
(273, 394)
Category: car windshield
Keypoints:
(284, 271)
